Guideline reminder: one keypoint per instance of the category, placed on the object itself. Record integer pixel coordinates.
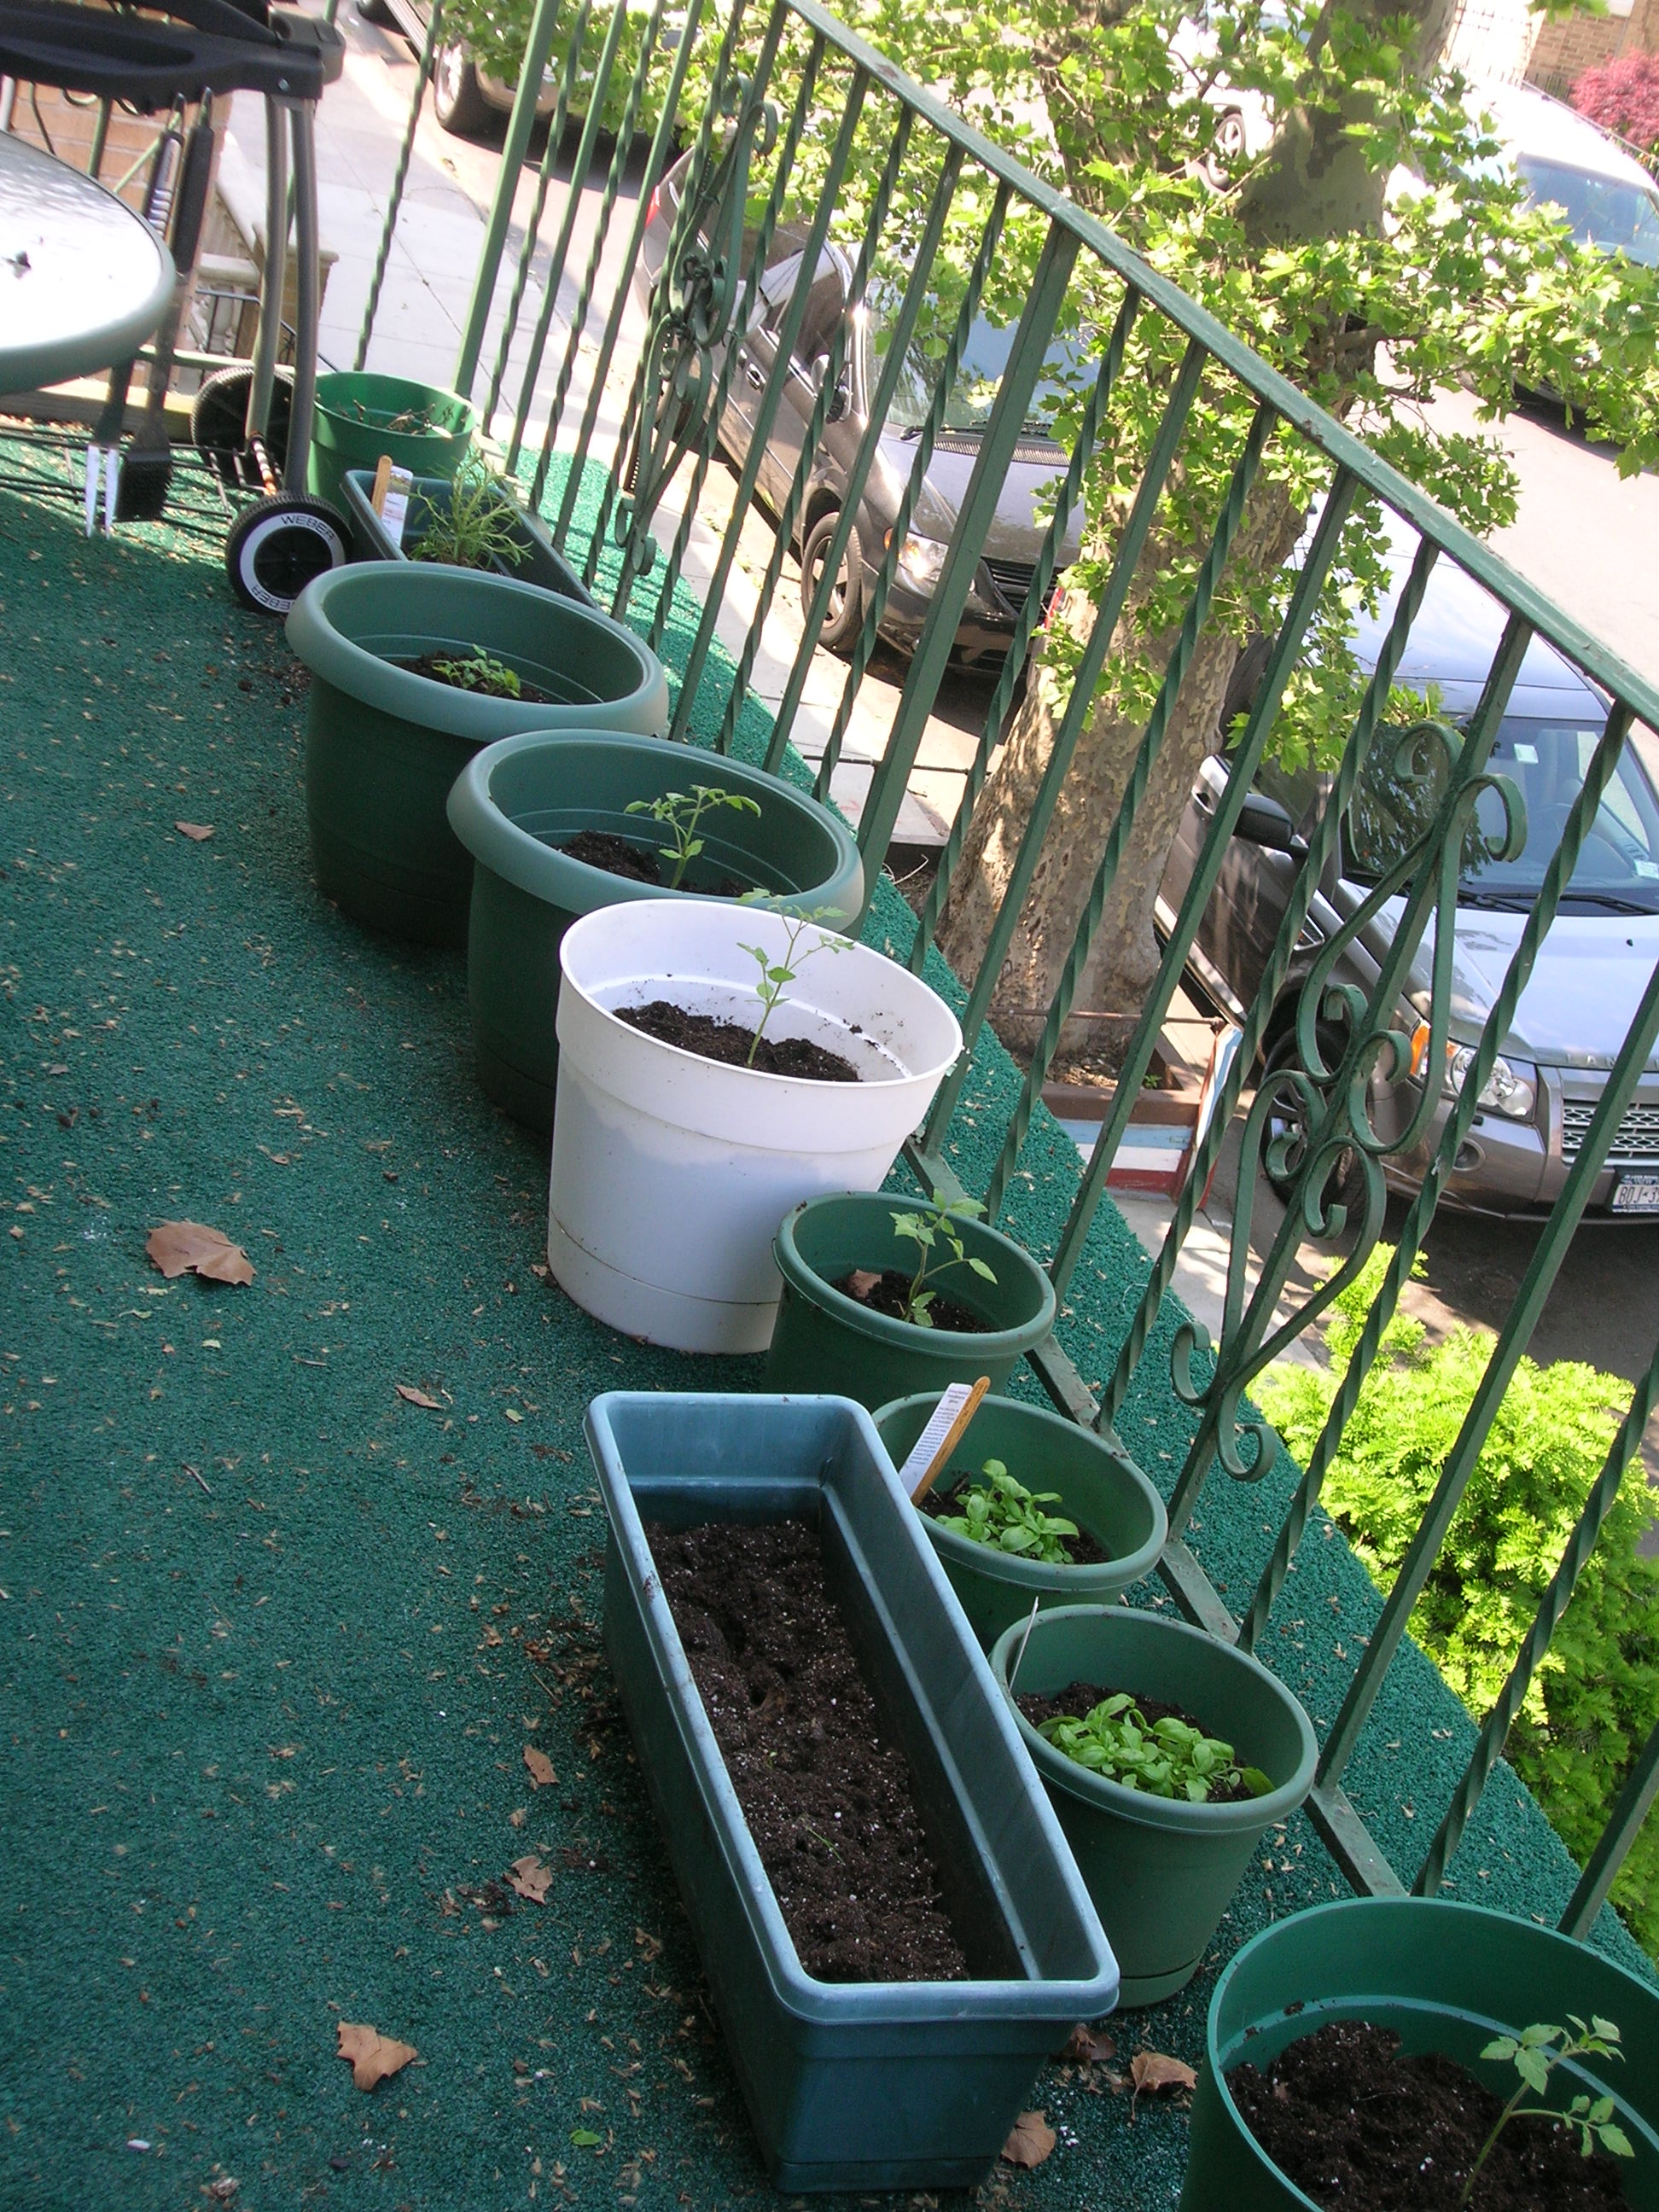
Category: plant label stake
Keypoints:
(943, 1433)
(390, 497)
(1014, 1672)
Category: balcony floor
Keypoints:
(275, 1638)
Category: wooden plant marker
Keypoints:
(390, 496)
(944, 1432)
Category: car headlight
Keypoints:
(921, 560)
(1512, 1089)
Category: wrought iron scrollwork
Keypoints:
(695, 307)
(1326, 1142)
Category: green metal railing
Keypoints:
(774, 104)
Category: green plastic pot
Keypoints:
(518, 798)
(1106, 1494)
(350, 429)
(384, 744)
(824, 1341)
(850, 2084)
(1446, 1978)
(1161, 1871)
(539, 560)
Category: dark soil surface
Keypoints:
(644, 864)
(618, 856)
(712, 1037)
(1082, 1549)
(1353, 2124)
(1077, 1699)
(886, 1291)
(426, 666)
(825, 1791)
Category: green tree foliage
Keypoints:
(1596, 1695)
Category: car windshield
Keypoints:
(1067, 370)
(1618, 869)
(1603, 212)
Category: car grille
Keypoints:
(1012, 580)
(1635, 1145)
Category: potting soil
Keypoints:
(823, 1786)
(615, 856)
(276, 1635)
(887, 1290)
(1354, 2123)
(711, 1037)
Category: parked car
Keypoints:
(1605, 197)
(1008, 562)
(466, 96)
(1589, 975)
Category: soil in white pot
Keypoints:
(711, 1037)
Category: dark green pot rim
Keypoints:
(1034, 1575)
(497, 842)
(904, 1335)
(316, 637)
(1176, 1815)
(337, 384)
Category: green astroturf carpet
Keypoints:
(274, 1639)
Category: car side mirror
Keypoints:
(1263, 821)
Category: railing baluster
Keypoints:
(400, 177)
(1625, 1447)
(1420, 1555)
(1246, 759)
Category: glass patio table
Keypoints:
(84, 280)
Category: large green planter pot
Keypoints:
(352, 429)
(1106, 1494)
(850, 2084)
(1446, 1978)
(384, 744)
(539, 560)
(824, 1341)
(1160, 1870)
(519, 798)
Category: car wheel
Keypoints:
(1347, 1186)
(843, 618)
(458, 99)
(1226, 148)
(376, 11)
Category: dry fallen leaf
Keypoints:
(1152, 2071)
(419, 1398)
(859, 1284)
(1087, 2045)
(374, 2057)
(197, 832)
(531, 1878)
(1030, 2141)
(177, 1246)
(542, 1776)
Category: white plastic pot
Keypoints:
(670, 1173)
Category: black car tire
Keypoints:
(376, 11)
(458, 99)
(844, 618)
(1350, 1181)
(1226, 148)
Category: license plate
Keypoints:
(1635, 1193)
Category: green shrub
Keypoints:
(1595, 1697)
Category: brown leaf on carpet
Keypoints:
(419, 1397)
(1087, 2045)
(1152, 2071)
(531, 1878)
(197, 832)
(542, 1776)
(180, 1247)
(374, 2057)
(1030, 2139)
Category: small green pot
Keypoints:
(1106, 1494)
(350, 429)
(539, 560)
(824, 1341)
(518, 798)
(1446, 1978)
(1160, 1870)
(384, 744)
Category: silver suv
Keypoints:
(1591, 970)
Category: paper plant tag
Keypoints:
(945, 1424)
(394, 506)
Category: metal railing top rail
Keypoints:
(1341, 446)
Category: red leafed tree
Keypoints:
(1623, 96)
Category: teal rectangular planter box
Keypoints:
(850, 2086)
(542, 563)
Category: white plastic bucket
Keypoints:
(670, 1173)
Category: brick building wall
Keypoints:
(1563, 49)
